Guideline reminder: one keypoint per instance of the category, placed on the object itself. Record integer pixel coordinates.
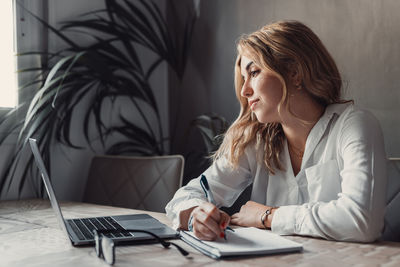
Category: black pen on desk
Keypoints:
(210, 196)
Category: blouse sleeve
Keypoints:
(357, 214)
(225, 182)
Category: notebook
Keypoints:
(79, 230)
(245, 241)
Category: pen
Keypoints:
(207, 190)
(210, 196)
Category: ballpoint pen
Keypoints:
(210, 196)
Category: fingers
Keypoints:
(211, 210)
(225, 220)
(203, 232)
(208, 220)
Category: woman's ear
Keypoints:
(294, 77)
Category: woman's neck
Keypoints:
(297, 127)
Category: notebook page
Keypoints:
(251, 241)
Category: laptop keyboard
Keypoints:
(84, 227)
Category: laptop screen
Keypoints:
(47, 183)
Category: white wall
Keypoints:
(363, 36)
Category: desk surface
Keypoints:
(30, 236)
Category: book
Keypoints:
(244, 241)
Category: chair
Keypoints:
(146, 183)
(392, 216)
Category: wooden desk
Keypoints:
(30, 236)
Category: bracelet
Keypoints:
(190, 223)
(264, 216)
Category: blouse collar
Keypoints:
(320, 128)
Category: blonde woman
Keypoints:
(316, 163)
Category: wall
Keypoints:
(363, 36)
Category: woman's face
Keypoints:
(263, 91)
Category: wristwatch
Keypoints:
(264, 216)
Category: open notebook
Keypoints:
(244, 241)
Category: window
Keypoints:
(8, 87)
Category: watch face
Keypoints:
(265, 216)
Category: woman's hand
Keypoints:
(209, 222)
(250, 215)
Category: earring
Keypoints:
(252, 116)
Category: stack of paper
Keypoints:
(244, 241)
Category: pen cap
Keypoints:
(207, 190)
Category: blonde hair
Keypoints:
(279, 47)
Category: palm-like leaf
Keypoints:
(211, 128)
(104, 71)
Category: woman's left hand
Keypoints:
(250, 215)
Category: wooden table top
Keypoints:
(30, 236)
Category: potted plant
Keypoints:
(105, 71)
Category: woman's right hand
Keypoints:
(209, 222)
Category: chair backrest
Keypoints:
(392, 215)
(146, 183)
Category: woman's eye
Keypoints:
(254, 73)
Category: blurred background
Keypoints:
(363, 37)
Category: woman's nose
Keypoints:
(246, 91)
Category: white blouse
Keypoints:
(338, 194)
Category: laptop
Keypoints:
(79, 230)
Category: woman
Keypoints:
(316, 163)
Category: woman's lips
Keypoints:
(253, 103)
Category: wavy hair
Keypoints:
(279, 47)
